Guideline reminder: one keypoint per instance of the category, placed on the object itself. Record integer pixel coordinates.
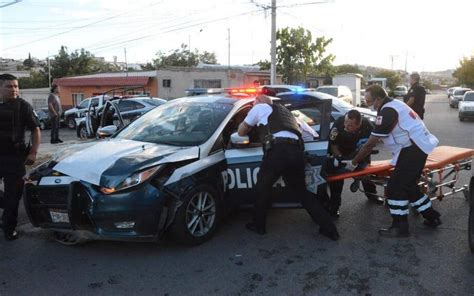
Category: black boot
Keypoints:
(397, 229)
(332, 233)
(10, 235)
(432, 218)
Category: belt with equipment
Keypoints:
(286, 141)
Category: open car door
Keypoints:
(243, 163)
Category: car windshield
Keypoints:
(460, 92)
(469, 97)
(328, 90)
(177, 124)
(341, 105)
(400, 88)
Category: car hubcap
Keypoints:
(71, 123)
(200, 214)
(83, 133)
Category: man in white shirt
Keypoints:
(284, 156)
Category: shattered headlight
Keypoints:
(132, 180)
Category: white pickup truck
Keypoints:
(72, 115)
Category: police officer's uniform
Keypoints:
(283, 156)
(405, 135)
(348, 144)
(419, 93)
(15, 116)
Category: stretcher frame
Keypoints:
(439, 179)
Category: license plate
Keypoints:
(58, 216)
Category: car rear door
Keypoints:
(243, 164)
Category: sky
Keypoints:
(412, 35)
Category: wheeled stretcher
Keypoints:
(438, 180)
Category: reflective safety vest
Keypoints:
(409, 128)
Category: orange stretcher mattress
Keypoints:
(440, 157)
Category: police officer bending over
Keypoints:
(347, 136)
(283, 156)
(405, 135)
(15, 115)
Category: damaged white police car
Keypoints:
(174, 169)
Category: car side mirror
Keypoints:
(106, 131)
(239, 141)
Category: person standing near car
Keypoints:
(348, 134)
(283, 156)
(404, 134)
(55, 111)
(416, 95)
(15, 116)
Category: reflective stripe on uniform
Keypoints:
(419, 201)
(399, 212)
(393, 202)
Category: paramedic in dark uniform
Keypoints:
(348, 134)
(15, 116)
(283, 156)
(415, 98)
(404, 134)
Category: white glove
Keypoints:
(349, 165)
(336, 162)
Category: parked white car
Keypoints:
(466, 106)
(457, 96)
(71, 115)
(400, 91)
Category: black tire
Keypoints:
(81, 132)
(189, 225)
(68, 238)
(71, 123)
(461, 118)
(470, 226)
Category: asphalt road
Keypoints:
(292, 259)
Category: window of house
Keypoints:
(166, 82)
(207, 83)
(77, 98)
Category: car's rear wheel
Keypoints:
(71, 123)
(461, 118)
(198, 217)
(470, 227)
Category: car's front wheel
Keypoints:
(198, 217)
(461, 118)
(81, 132)
(71, 123)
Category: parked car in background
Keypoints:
(118, 112)
(400, 91)
(458, 93)
(45, 122)
(339, 91)
(450, 91)
(43, 117)
(70, 115)
(466, 106)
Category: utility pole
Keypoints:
(273, 45)
(49, 72)
(126, 63)
(228, 57)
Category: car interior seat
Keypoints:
(205, 121)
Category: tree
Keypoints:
(183, 57)
(79, 62)
(29, 63)
(393, 78)
(264, 64)
(465, 72)
(346, 68)
(37, 79)
(298, 56)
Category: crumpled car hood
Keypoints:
(107, 163)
